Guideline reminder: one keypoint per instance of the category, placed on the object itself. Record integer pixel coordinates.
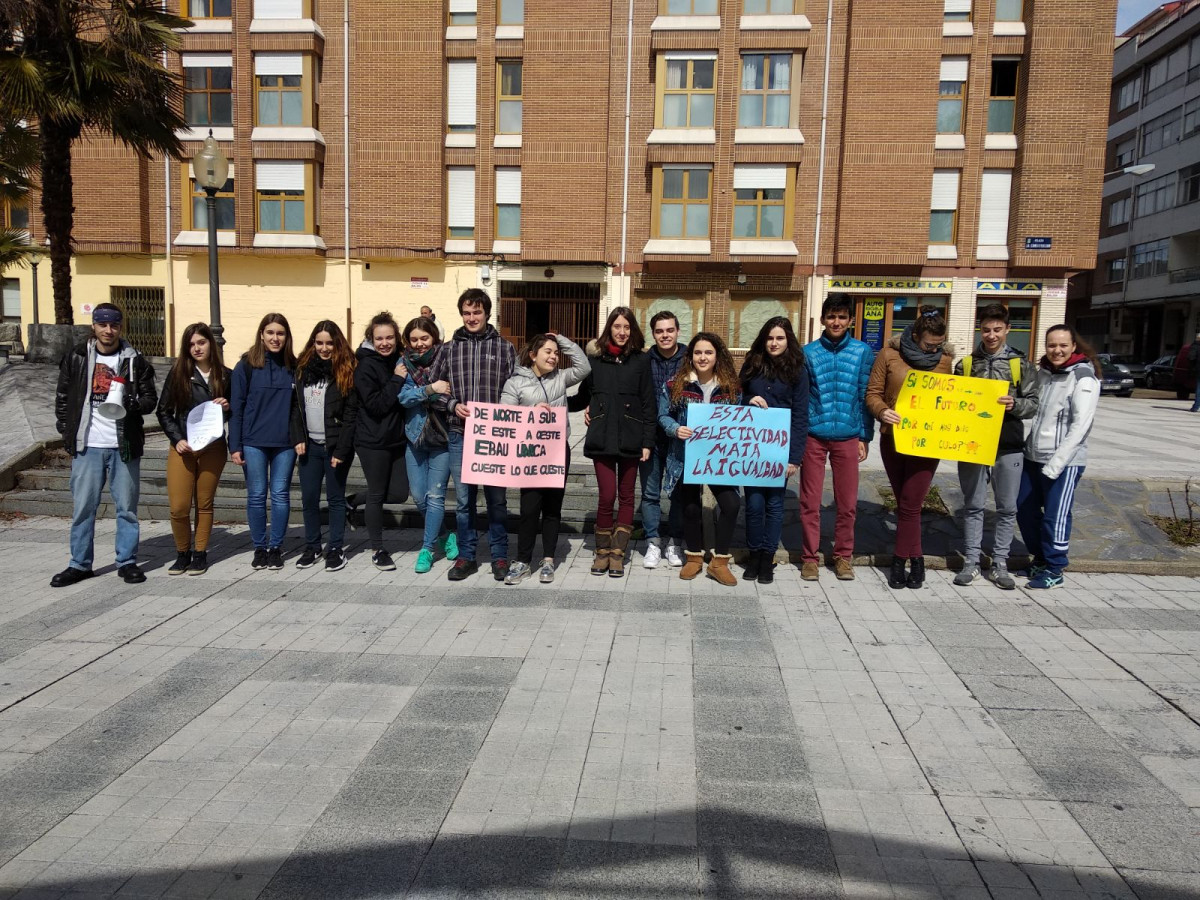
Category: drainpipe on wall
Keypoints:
(346, 157)
(821, 164)
(625, 186)
(169, 287)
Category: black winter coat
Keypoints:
(174, 421)
(74, 391)
(380, 423)
(619, 397)
(341, 419)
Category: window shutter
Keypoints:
(278, 64)
(279, 176)
(750, 178)
(954, 68)
(12, 298)
(690, 54)
(958, 6)
(463, 6)
(207, 60)
(945, 189)
(278, 9)
(460, 92)
(508, 185)
(460, 197)
(993, 207)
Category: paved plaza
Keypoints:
(369, 735)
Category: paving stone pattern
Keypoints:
(367, 734)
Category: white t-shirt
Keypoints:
(102, 432)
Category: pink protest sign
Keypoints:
(515, 446)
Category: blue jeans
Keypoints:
(651, 472)
(764, 517)
(315, 468)
(1044, 512)
(271, 465)
(466, 497)
(89, 472)
(428, 473)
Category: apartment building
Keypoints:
(730, 160)
(1145, 291)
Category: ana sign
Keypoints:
(741, 445)
(949, 417)
(515, 446)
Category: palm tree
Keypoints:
(18, 159)
(86, 65)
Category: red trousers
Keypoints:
(615, 479)
(910, 477)
(843, 459)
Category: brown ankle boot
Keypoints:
(616, 555)
(693, 567)
(603, 542)
(718, 569)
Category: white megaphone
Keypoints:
(114, 407)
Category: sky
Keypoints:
(1129, 11)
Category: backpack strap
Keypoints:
(1014, 366)
(966, 364)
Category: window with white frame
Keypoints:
(460, 96)
(1150, 259)
(282, 197)
(957, 11)
(460, 203)
(279, 88)
(508, 203)
(943, 207)
(1118, 211)
(1162, 131)
(760, 201)
(765, 100)
(1155, 195)
(994, 196)
(463, 12)
(1129, 93)
(687, 89)
(952, 92)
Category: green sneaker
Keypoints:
(424, 562)
(448, 545)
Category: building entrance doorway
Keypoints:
(534, 307)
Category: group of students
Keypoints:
(400, 400)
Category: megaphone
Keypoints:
(114, 407)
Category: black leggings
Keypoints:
(387, 482)
(548, 502)
(729, 501)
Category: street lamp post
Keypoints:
(1134, 172)
(212, 170)
(35, 257)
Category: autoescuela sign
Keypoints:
(888, 284)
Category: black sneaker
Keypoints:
(260, 558)
(462, 569)
(335, 559)
(183, 559)
(274, 559)
(308, 558)
(70, 575)
(383, 561)
(131, 573)
(199, 562)
(500, 569)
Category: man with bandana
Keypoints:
(103, 448)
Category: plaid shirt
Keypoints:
(476, 365)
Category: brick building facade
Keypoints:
(727, 159)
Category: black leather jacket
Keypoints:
(174, 421)
(74, 390)
(341, 417)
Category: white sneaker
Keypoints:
(674, 557)
(652, 557)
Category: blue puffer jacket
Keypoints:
(838, 374)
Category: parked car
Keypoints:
(1160, 374)
(1127, 365)
(1184, 379)
(1114, 381)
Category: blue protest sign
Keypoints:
(737, 445)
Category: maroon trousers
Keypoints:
(910, 477)
(616, 477)
(843, 459)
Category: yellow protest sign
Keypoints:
(945, 416)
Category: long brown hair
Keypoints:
(425, 324)
(342, 361)
(785, 368)
(256, 356)
(724, 372)
(636, 342)
(1081, 346)
(179, 381)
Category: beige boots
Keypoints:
(718, 569)
(693, 566)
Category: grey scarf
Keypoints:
(912, 353)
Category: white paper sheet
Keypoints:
(205, 424)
